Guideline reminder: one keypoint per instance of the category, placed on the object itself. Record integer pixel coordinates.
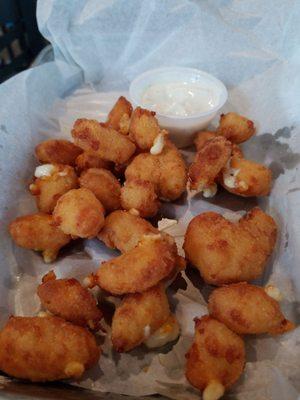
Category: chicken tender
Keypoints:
(68, 299)
(79, 213)
(202, 138)
(140, 197)
(48, 188)
(104, 185)
(246, 178)
(57, 152)
(216, 358)
(167, 171)
(38, 232)
(235, 127)
(247, 309)
(143, 128)
(119, 116)
(226, 252)
(88, 159)
(46, 349)
(107, 143)
(123, 231)
(139, 269)
(208, 163)
(138, 316)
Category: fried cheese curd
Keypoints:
(144, 129)
(119, 116)
(57, 151)
(79, 213)
(107, 143)
(216, 358)
(235, 127)
(208, 163)
(247, 309)
(88, 159)
(226, 252)
(138, 316)
(68, 299)
(138, 196)
(246, 178)
(202, 137)
(46, 349)
(123, 230)
(167, 171)
(104, 185)
(38, 232)
(52, 182)
(144, 266)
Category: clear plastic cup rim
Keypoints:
(152, 74)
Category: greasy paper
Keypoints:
(99, 48)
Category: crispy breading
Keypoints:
(68, 299)
(104, 185)
(119, 116)
(143, 128)
(46, 349)
(217, 356)
(140, 268)
(107, 143)
(48, 189)
(140, 196)
(226, 252)
(38, 232)
(167, 171)
(249, 178)
(202, 137)
(57, 151)
(79, 213)
(88, 159)
(123, 231)
(138, 316)
(235, 127)
(208, 162)
(247, 309)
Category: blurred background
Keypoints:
(21, 44)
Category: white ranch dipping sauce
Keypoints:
(179, 98)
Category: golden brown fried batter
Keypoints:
(38, 232)
(143, 128)
(107, 143)
(119, 116)
(167, 171)
(138, 316)
(123, 231)
(216, 358)
(88, 159)
(202, 138)
(235, 127)
(79, 213)
(247, 309)
(226, 252)
(46, 349)
(208, 163)
(104, 185)
(49, 188)
(57, 152)
(68, 299)
(246, 178)
(140, 197)
(139, 269)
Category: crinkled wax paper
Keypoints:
(100, 46)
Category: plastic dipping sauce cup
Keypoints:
(185, 99)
